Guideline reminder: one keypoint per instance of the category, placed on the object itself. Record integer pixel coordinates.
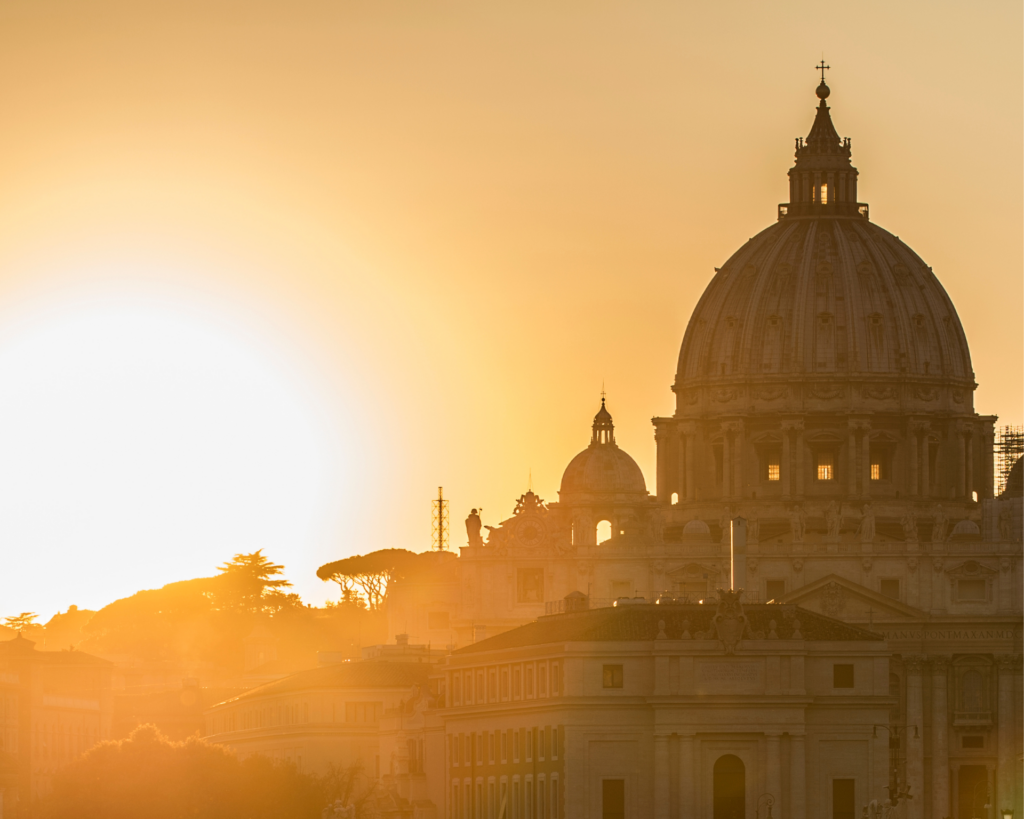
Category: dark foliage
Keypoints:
(149, 776)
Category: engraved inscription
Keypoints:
(729, 677)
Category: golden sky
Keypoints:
(430, 231)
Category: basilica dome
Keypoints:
(824, 304)
(602, 469)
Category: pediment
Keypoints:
(844, 599)
(971, 569)
(823, 437)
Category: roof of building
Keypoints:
(640, 622)
(826, 296)
(602, 468)
(361, 674)
(20, 646)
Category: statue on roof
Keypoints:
(473, 526)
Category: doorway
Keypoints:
(972, 787)
(730, 788)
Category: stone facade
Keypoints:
(824, 394)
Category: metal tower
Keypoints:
(439, 522)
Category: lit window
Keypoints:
(825, 466)
(772, 465)
(773, 471)
(876, 472)
(824, 194)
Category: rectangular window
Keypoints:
(824, 194)
(876, 475)
(555, 812)
(516, 688)
(972, 590)
(542, 801)
(842, 675)
(529, 744)
(492, 684)
(843, 799)
(613, 799)
(479, 738)
(515, 800)
(973, 742)
(504, 746)
(890, 587)
(490, 747)
(556, 679)
(621, 588)
(612, 677)
(529, 799)
(542, 681)
(826, 466)
(530, 585)
(437, 621)
(504, 683)
(515, 746)
(773, 464)
(774, 589)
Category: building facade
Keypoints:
(54, 706)
(824, 393)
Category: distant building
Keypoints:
(823, 395)
(54, 705)
(325, 717)
(668, 710)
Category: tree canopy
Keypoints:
(251, 583)
(372, 573)
(148, 775)
(20, 622)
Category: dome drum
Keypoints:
(824, 360)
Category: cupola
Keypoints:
(604, 429)
(823, 181)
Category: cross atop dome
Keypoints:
(823, 182)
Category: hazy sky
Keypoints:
(272, 272)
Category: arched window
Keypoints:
(604, 531)
(675, 498)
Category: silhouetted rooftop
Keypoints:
(639, 622)
(363, 674)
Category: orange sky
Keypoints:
(453, 221)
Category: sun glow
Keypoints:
(144, 441)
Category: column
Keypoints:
(773, 777)
(915, 757)
(661, 441)
(797, 778)
(661, 777)
(737, 461)
(913, 460)
(786, 465)
(969, 463)
(865, 460)
(940, 739)
(800, 458)
(726, 463)
(682, 484)
(851, 467)
(926, 471)
(1004, 796)
(960, 461)
(691, 463)
(686, 790)
(986, 489)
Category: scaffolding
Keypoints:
(439, 522)
(1009, 446)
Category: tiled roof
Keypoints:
(640, 623)
(363, 674)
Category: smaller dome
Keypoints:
(965, 530)
(602, 468)
(696, 531)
